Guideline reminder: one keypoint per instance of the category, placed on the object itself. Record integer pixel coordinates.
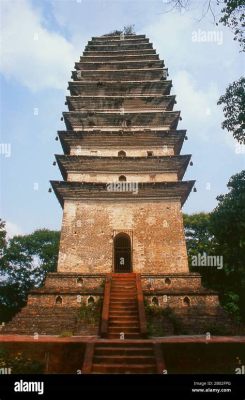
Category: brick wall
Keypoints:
(171, 282)
(113, 152)
(88, 230)
(68, 300)
(178, 301)
(110, 177)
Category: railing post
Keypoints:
(106, 304)
(141, 308)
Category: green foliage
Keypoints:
(233, 16)
(228, 226)
(66, 334)
(127, 30)
(20, 363)
(114, 33)
(231, 304)
(177, 325)
(234, 109)
(216, 329)
(3, 241)
(90, 313)
(155, 320)
(24, 264)
(198, 234)
(199, 240)
(222, 233)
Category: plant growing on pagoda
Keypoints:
(90, 313)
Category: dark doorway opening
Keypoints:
(122, 253)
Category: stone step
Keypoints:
(123, 292)
(123, 289)
(125, 329)
(123, 350)
(123, 298)
(124, 359)
(124, 304)
(119, 306)
(124, 369)
(118, 324)
(123, 283)
(126, 335)
(123, 317)
(119, 313)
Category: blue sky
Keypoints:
(41, 40)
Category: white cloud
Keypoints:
(196, 105)
(197, 73)
(12, 229)
(30, 54)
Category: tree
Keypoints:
(233, 16)
(25, 263)
(234, 109)
(127, 30)
(222, 233)
(228, 225)
(199, 241)
(2, 237)
(197, 231)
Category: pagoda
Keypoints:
(122, 238)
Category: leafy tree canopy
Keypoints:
(234, 109)
(24, 264)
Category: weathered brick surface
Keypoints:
(68, 300)
(205, 301)
(113, 152)
(171, 282)
(59, 320)
(156, 231)
(74, 281)
(108, 178)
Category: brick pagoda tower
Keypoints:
(122, 237)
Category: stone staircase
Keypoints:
(123, 307)
(125, 349)
(132, 357)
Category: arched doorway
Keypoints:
(122, 253)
